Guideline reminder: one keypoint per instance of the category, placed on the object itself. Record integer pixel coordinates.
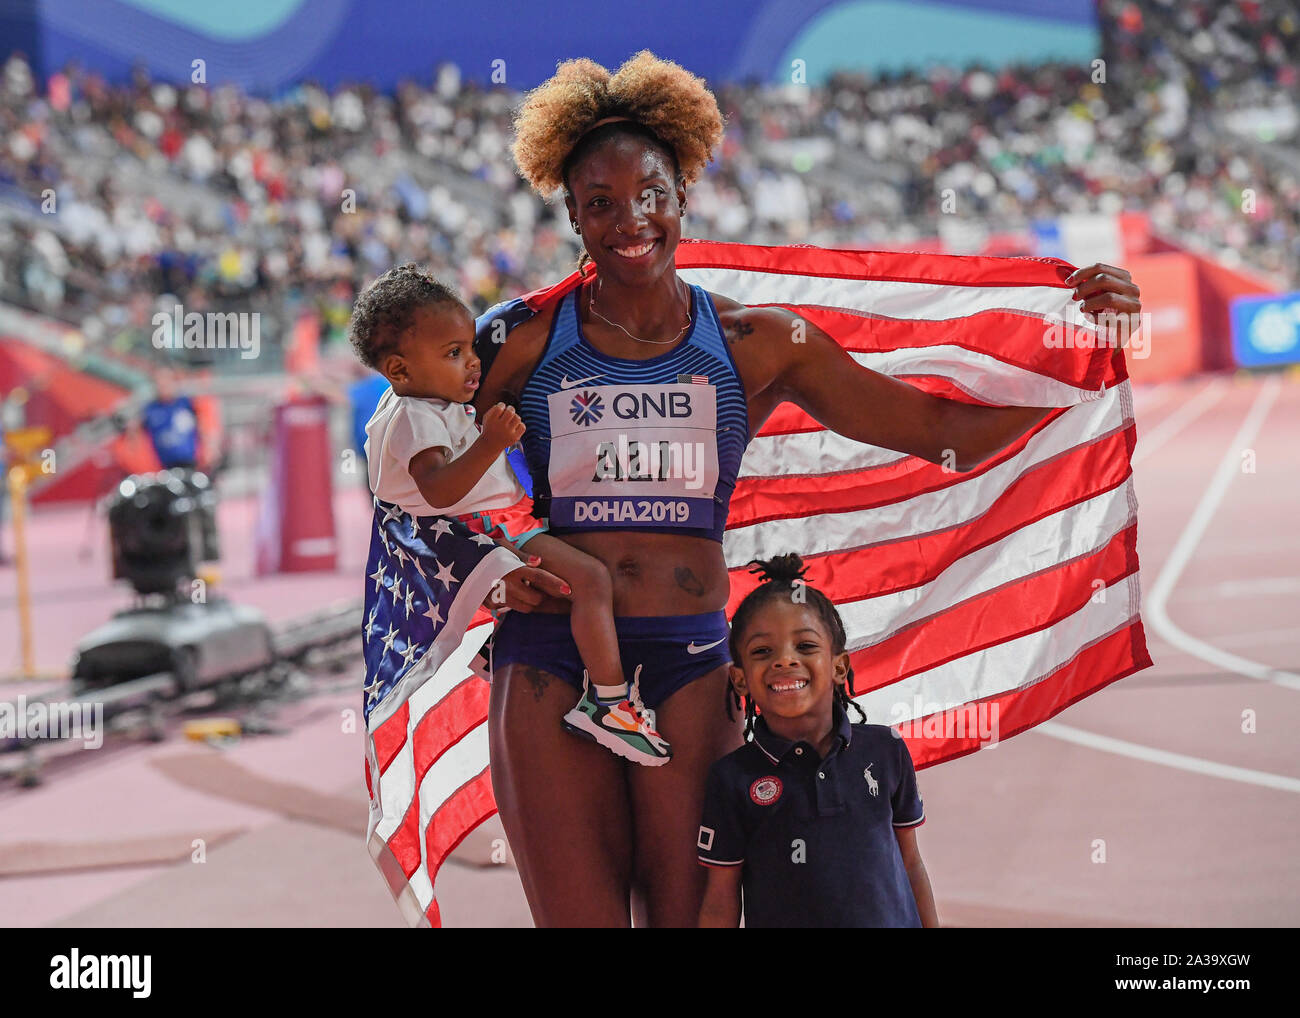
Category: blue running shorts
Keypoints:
(673, 650)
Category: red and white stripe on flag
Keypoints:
(976, 604)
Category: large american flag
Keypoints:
(976, 604)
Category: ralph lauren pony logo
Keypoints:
(586, 408)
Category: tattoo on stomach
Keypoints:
(688, 581)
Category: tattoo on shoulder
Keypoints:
(738, 330)
(688, 581)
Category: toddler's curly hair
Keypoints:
(674, 105)
(386, 308)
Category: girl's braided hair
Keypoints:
(780, 578)
(668, 106)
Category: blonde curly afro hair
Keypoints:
(675, 105)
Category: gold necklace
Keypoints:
(591, 306)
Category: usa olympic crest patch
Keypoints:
(766, 791)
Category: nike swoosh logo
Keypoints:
(692, 649)
(566, 384)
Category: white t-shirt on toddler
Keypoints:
(405, 425)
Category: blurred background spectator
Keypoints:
(171, 423)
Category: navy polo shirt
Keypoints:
(816, 837)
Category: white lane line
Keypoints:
(1148, 443)
(1185, 548)
(1251, 638)
(1272, 547)
(1161, 756)
(1265, 586)
(1287, 634)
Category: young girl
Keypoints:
(426, 456)
(815, 818)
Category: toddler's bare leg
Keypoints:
(592, 614)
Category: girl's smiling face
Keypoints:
(788, 664)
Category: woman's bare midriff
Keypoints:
(655, 574)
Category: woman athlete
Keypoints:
(616, 384)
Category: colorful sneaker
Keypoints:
(624, 727)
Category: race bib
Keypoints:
(643, 455)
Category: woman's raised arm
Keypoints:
(819, 376)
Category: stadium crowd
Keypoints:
(214, 197)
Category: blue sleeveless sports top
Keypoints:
(619, 444)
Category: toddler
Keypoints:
(426, 455)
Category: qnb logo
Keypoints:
(638, 406)
(586, 408)
(75, 971)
